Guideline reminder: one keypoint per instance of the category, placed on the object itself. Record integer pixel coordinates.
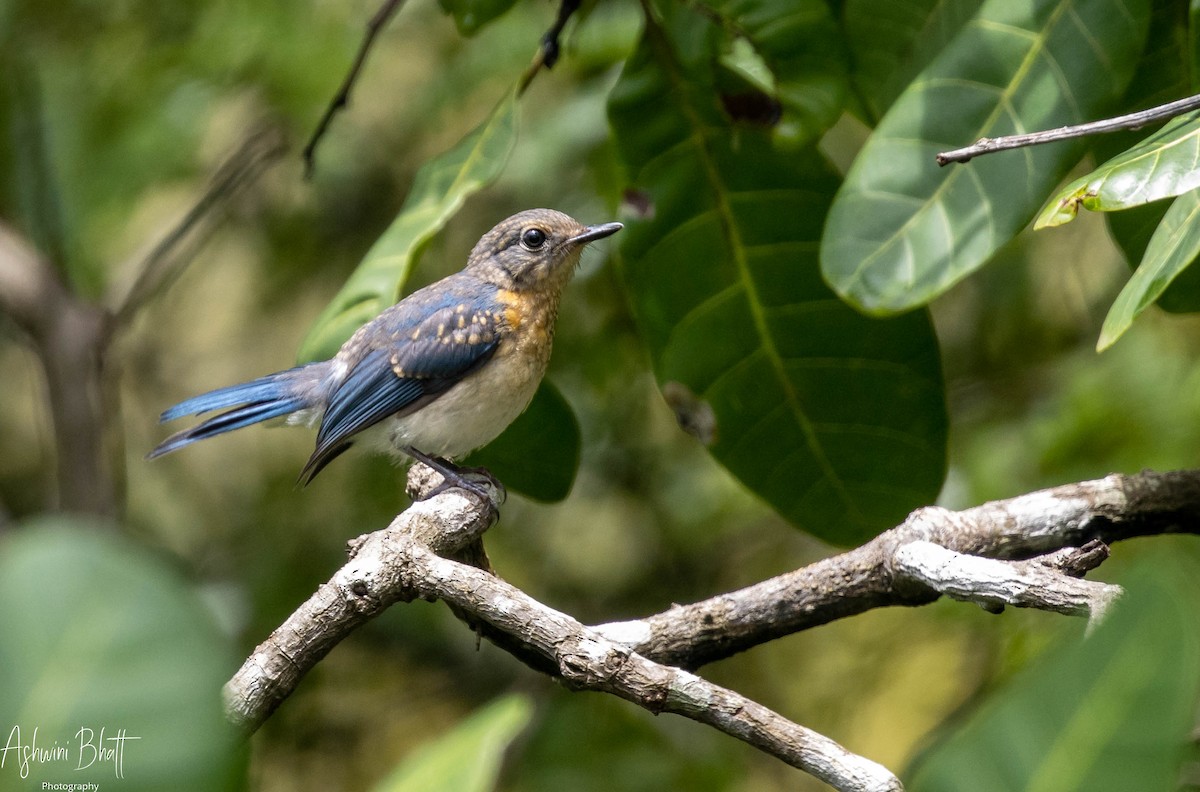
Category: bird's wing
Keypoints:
(406, 366)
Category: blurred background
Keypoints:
(115, 117)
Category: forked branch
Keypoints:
(1029, 551)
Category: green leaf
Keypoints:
(538, 455)
(1165, 72)
(1111, 713)
(439, 190)
(836, 420)
(96, 634)
(468, 758)
(1132, 230)
(799, 42)
(1174, 246)
(892, 42)
(1165, 69)
(471, 15)
(1163, 165)
(902, 230)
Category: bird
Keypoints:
(433, 377)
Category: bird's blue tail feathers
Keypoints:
(272, 396)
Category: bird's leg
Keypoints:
(455, 476)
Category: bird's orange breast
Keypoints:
(530, 319)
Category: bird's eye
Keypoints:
(533, 238)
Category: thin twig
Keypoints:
(548, 49)
(1130, 121)
(342, 97)
(167, 259)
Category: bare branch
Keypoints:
(359, 591)
(1131, 121)
(1024, 551)
(1109, 509)
(587, 660)
(398, 564)
(342, 97)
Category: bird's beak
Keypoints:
(592, 233)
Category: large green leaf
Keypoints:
(800, 44)
(1175, 245)
(468, 758)
(97, 635)
(439, 190)
(836, 420)
(1111, 713)
(902, 230)
(892, 42)
(1163, 165)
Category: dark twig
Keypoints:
(1130, 121)
(261, 148)
(548, 49)
(342, 97)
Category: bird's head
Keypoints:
(534, 249)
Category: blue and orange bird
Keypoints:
(435, 376)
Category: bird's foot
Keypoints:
(477, 481)
(482, 474)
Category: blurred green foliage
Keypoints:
(113, 116)
(108, 654)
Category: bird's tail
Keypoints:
(272, 396)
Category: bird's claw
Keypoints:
(474, 481)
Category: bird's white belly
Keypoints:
(470, 414)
